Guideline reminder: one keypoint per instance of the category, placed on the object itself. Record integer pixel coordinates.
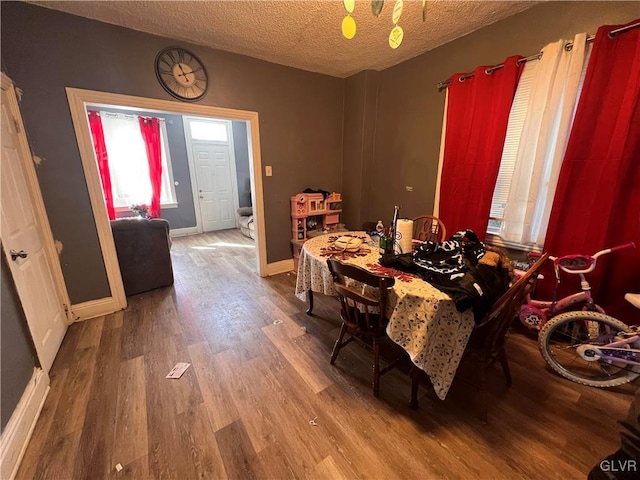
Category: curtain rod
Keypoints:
(568, 46)
(161, 119)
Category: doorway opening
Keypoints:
(218, 189)
(81, 100)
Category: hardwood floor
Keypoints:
(243, 408)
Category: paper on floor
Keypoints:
(178, 370)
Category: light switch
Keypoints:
(267, 171)
(409, 188)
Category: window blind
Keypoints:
(518, 113)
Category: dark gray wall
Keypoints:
(241, 151)
(17, 358)
(361, 104)
(410, 108)
(44, 51)
(185, 215)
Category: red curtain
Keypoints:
(150, 128)
(597, 201)
(477, 116)
(97, 134)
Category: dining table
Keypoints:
(423, 320)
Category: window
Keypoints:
(128, 164)
(539, 124)
(211, 131)
(517, 116)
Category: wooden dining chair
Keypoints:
(368, 226)
(486, 344)
(428, 227)
(363, 317)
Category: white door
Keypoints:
(21, 235)
(216, 192)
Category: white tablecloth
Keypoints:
(422, 319)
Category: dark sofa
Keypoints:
(143, 249)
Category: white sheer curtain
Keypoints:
(543, 142)
(128, 164)
(436, 201)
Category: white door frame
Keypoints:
(192, 167)
(36, 200)
(79, 99)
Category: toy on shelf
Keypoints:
(313, 214)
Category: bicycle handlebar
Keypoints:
(571, 263)
(621, 247)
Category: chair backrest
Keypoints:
(368, 226)
(428, 227)
(490, 333)
(360, 310)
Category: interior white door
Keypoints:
(23, 245)
(215, 186)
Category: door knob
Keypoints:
(15, 255)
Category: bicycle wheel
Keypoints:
(561, 336)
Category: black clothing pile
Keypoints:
(455, 267)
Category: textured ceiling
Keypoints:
(302, 34)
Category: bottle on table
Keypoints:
(376, 236)
(383, 239)
(393, 230)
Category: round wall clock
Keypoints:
(181, 74)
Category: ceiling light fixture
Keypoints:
(397, 34)
(348, 23)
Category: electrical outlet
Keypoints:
(267, 171)
(409, 188)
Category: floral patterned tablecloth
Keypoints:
(422, 319)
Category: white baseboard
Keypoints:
(95, 308)
(17, 433)
(183, 232)
(282, 266)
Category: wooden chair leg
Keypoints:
(484, 396)
(310, 297)
(376, 367)
(338, 345)
(505, 367)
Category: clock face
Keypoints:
(181, 74)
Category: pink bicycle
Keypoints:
(535, 313)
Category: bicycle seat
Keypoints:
(633, 299)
